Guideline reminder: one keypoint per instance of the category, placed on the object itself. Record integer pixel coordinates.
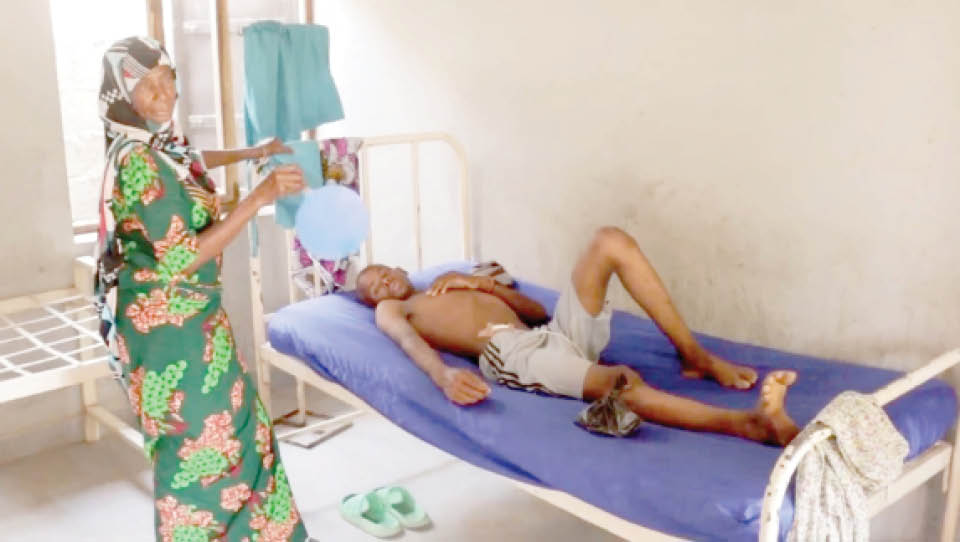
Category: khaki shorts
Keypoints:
(552, 359)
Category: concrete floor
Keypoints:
(102, 492)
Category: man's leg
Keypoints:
(613, 251)
(768, 422)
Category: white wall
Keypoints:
(36, 243)
(790, 168)
(34, 203)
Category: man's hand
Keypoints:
(463, 387)
(459, 281)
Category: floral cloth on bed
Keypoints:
(341, 165)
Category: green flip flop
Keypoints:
(400, 504)
(370, 514)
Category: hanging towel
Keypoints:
(306, 154)
(835, 477)
(289, 87)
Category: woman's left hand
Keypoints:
(282, 181)
(274, 146)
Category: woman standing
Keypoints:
(217, 475)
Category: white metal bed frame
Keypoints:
(942, 458)
(49, 341)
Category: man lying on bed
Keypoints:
(480, 318)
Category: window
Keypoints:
(82, 31)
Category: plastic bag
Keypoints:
(609, 415)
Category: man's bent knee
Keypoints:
(611, 238)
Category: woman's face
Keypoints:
(155, 95)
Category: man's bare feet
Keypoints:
(727, 374)
(770, 414)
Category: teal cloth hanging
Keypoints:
(288, 87)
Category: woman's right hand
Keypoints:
(282, 181)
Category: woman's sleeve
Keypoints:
(151, 207)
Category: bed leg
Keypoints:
(91, 430)
(264, 384)
(951, 511)
(301, 403)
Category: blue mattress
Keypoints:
(694, 485)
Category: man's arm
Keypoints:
(459, 385)
(529, 310)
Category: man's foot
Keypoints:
(770, 422)
(727, 374)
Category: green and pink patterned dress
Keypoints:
(217, 473)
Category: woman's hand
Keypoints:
(282, 181)
(286, 179)
(214, 159)
(274, 146)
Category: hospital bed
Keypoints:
(49, 341)
(660, 484)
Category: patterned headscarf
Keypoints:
(125, 63)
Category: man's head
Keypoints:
(379, 282)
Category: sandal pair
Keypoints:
(383, 512)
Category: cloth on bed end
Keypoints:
(834, 479)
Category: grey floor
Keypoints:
(101, 492)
